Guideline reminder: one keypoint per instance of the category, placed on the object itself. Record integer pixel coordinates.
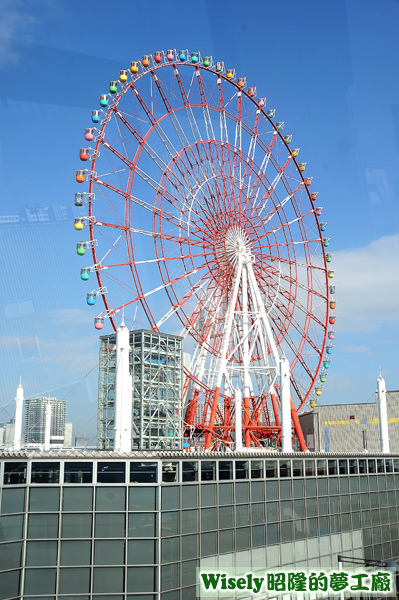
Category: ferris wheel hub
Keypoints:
(238, 245)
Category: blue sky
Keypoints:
(330, 70)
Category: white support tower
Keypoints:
(382, 408)
(19, 405)
(47, 427)
(238, 420)
(123, 392)
(286, 435)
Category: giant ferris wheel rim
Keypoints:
(128, 234)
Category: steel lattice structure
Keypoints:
(200, 214)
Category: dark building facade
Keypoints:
(100, 525)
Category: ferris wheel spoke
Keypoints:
(190, 115)
(205, 108)
(224, 134)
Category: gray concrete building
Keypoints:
(350, 427)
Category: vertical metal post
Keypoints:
(123, 392)
(47, 427)
(286, 439)
(382, 408)
(19, 403)
(238, 418)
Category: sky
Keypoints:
(331, 71)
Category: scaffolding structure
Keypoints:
(156, 366)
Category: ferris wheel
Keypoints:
(199, 214)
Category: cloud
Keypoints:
(352, 349)
(14, 22)
(367, 283)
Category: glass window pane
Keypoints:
(209, 543)
(9, 584)
(189, 496)
(10, 556)
(170, 523)
(15, 474)
(343, 467)
(226, 541)
(45, 472)
(242, 515)
(353, 466)
(109, 552)
(310, 468)
(190, 546)
(225, 469)
(170, 472)
(208, 519)
(143, 472)
(76, 525)
(242, 469)
(75, 553)
(272, 490)
(141, 579)
(332, 467)
(169, 577)
(109, 525)
(74, 581)
(242, 538)
(189, 471)
(208, 470)
(44, 499)
(108, 579)
(225, 493)
(285, 490)
(142, 498)
(170, 497)
(41, 554)
(39, 581)
(111, 472)
(257, 513)
(141, 552)
(256, 469)
(111, 498)
(77, 498)
(13, 500)
(208, 494)
(142, 524)
(285, 468)
(78, 472)
(322, 467)
(226, 517)
(189, 521)
(242, 492)
(271, 469)
(170, 550)
(257, 491)
(258, 536)
(322, 486)
(43, 526)
(297, 468)
(189, 572)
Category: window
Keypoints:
(190, 471)
(226, 469)
(169, 472)
(45, 472)
(256, 469)
(78, 472)
(241, 469)
(111, 472)
(208, 470)
(271, 469)
(142, 472)
(15, 473)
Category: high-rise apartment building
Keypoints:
(156, 367)
(35, 420)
